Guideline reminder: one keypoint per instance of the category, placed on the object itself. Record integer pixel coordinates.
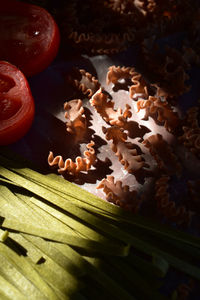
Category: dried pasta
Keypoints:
(119, 194)
(84, 82)
(125, 151)
(163, 154)
(75, 118)
(105, 107)
(68, 166)
(161, 111)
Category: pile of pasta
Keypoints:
(136, 127)
(111, 26)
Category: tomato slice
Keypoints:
(16, 104)
(29, 36)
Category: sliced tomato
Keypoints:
(16, 104)
(29, 36)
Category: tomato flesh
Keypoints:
(8, 108)
(29, 36)
(6, 83)
(16, 104)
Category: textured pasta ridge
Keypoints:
(87, 83)
(75, 118)
(125, 151)
(114, 74)
(119, 194)
(105, 107)
(163, 154)
(80, 164)
(166, 68)
(107, 43)
(161, 111)
(139, 86)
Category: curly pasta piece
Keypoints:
(162, 153)
(84, 82)
(191, 135)
(168, 70)
(161, 111)
(120, 195)
(106, 43)
(125, 151)
(139, 86)
(98, 33)
(105, 107)
(114, 133)
(76, 120)
(73, 168)
(114, 74)
(167, 207)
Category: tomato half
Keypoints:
(29, 36)
(16, 104)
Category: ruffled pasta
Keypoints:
(84, 82)
(144, 157)
(162, 152)
(125, 151)
(97, 36)
(168, 70)
(114, 74)
(81, 164)
(139, 86)
(161, 111)
(105, 107)
(101, 44)
(119, 194)
(75, 118)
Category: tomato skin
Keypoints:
(16, 104)
(29, 36)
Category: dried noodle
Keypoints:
(73, 168)
(125, 151)
(161, 111)
(163, 154)
(120, 195)
(85, 82)
(105, 107)
(76, 121)
(114, 74)
(168, 70)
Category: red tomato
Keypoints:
(29, 36)
(16, 104)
